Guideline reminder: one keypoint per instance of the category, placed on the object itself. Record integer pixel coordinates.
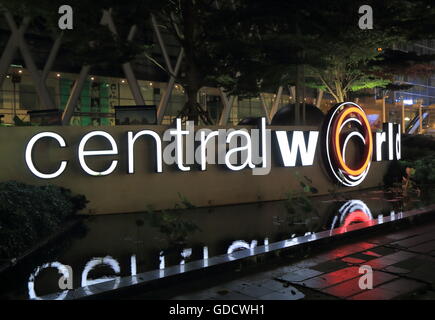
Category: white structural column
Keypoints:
(403, 116)
(40, 86)
(51, 57)
(292, 90)
(384, 114)
(10, 49)
(107, 20)
(319, 98)
(75, 95)
(164, 100)
(264, 105)
(276, 103)
(228, 105)
(420, 118)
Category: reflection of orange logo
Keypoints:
(338, 118)
(353, 211)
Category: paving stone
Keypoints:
(300, 275)
(351, 287)
(330, 266)
(382, 251)
(254, 290)
(288, 294)
(351, 260)
(399, 256)
(390, 290)
(200, 295)
(362, 256)
(308, 263)
(372, 253)
(397, 270)
(233, 296)
(403, 286)
(330, 279)
(411, 263)
(423, 248)
(383, 240)
(374, 294)
(275, 285)
(424, 272)
(407, 243)
(350, 249)
(388, 260)
(283, 270)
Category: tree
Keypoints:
(89, 42)
(203, 30)
(325, 40)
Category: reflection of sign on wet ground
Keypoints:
(345, 217)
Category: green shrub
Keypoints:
(418, 153)
(30, 213)
(415, 147)
(424, 169)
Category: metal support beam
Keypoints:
(264, 105)
(228, 105)
(51, 57)
(292, 90)
(164, 100)
(161, 44)
(10, 49)
(276, 103)
(75, 95)
(40, 86)
(319, 98)
(403, 117)
(107, 20)
(420, 119)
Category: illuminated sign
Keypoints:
(346, 124)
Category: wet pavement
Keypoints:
(402, 263)
(131, 252)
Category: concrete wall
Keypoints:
(122, 192)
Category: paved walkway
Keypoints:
(403, 265)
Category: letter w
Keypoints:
(297, 145)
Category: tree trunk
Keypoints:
(191, 106)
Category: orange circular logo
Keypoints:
(340, 118)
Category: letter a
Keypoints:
(366, 21)
(366, 280)
(66, 281)
(66, 20)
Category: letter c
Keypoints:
(29, 160)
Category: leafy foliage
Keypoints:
(418, 154)
(300, 208)
(30, 213)
(172, 223)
